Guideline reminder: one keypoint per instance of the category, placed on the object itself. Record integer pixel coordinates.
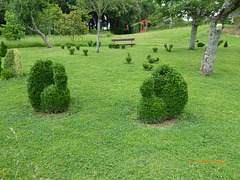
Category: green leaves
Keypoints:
(73, 24)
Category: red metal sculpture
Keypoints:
(143, 26)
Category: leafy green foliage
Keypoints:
(12, 30)
(41, 76)
(135, 28)
(62, 46)
(90, 43)
(77, 47)
(225, 44)
(3, 50)
(151, 60)
(0, 66)
(73, 24)
(199, 44)
(155, 49)
(164, 95)
(69, 46)
(128, 58)
(220, 42)
(85, 52)
(71, 51)
(147, 67)
(7, 74)
(13, 62)
(56, 98)
(168, 49)
(123, 46)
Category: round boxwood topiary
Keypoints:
(54, 100)
(169, 89)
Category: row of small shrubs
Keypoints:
(117, 46)
(93, 44)
(47, 87)
(167, 48)
(225, 43)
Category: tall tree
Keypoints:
(27, 12)
(199, 10)
(209, 56)
(98, 6)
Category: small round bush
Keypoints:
(200, 44)
(85, 52)
(123, 46)
(225, 44)
(155, 50)
(151, 60)
(71, 51)
(145, 66)
(7, 74)
(13, 61)
(62, 46)
(78, 47)
(41, 76)
(69, 46)
(167, 87)
(54, 100)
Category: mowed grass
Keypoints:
(100, 136)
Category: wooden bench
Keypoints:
(125, 39)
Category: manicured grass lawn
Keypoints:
(100, 136)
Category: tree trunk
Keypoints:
(35, 29)
(98, 33)
(195, 25)
(209, 56)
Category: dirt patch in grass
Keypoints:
(233, 31)
(46, 115)
(164, 124)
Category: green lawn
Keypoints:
(100, 136)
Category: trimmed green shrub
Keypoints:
(200, 44)
(225, 44)
(116, 46)
(0, 66)
(56, 98)
(110, 45)
(62, 46)
(151, 60)
(168, 49)
(95, 44)
(72, 50)
(155, 49)
(149, 57)
(150, 67)
(164, 95)
(69, 46)
(3, 50)
(78, 47)
(128, 58)
(145, 66)
(7, 74)
(13, 61)
(85, 52)
(123, 46)
(220, 42)
(90, 43)
(157, 59)
(41, 76)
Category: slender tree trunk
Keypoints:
(195, 25)
(98, 33)
(35, 29)
(209, 56)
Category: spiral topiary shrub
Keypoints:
(56, 98)
(164, 95)
(47, 87)
(13, 62)
(41, 76)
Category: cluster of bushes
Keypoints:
(116, 46)
(148, 66)
(47, 87)
(72, 50)
(164, 95)
(224, 45)
(94, 44)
